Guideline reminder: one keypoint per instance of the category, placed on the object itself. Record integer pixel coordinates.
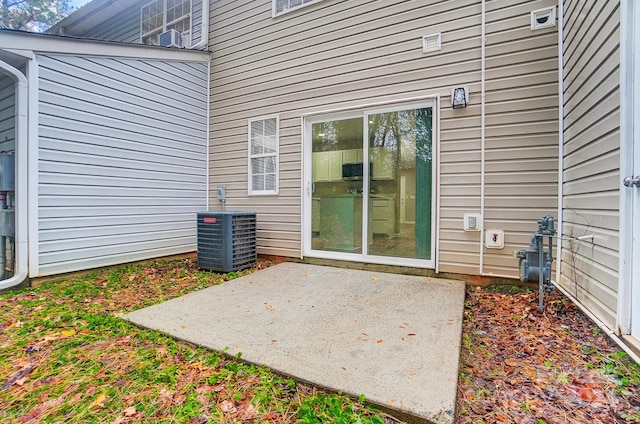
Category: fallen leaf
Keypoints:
(379, 341)
(68, 333)
(249, 412)
(130, 411)
(99, 402)
(227, 406)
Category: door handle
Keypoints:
(631, 181)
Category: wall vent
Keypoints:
(226, 240)
(431, 43)
(171, 38)
(543, 18)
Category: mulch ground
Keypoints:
(519, 365)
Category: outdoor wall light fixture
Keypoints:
(459, 97)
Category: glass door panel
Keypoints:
(400, 183)
(337, 185)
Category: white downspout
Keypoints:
(560, 136)
(203, 43)
(482, 131)
(208, 138)
(204, 31)
(22, 98)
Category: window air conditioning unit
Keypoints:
(226, 240)
(171, 38)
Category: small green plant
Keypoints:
(321, 408)
(563, 378)
(623, 372)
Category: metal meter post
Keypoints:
(535, 261)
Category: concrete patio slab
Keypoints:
(394, 338)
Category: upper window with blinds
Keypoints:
(283, 6)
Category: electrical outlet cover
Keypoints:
(494, 239)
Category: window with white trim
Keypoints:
(263, 155)
(162, 15)
(282, 6)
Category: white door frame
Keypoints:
(628, 318)
(307, 181)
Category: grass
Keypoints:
(66, 356)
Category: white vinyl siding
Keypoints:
(263, 156)
(123, 27)
(7, 114)
(359, 53)
(196, 21)
(591, 161)
(121, 160)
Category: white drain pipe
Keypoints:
(204, 30)
(22, 98)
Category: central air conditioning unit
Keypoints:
(226, 240)
(171, 38)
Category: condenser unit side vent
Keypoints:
(226, 240)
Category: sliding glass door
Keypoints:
(337, 194)
(370, 186)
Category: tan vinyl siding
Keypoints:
(591, 159)
(334, 54)
(521, 137)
